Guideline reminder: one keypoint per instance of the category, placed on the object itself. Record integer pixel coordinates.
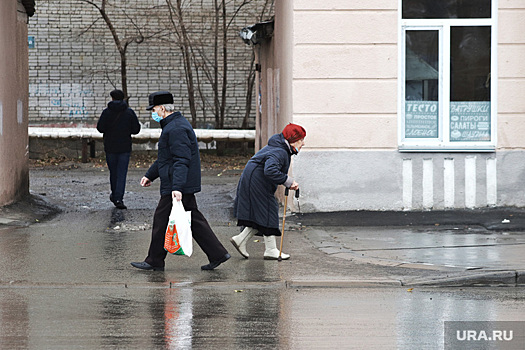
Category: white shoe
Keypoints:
(271, 252)
(239, 241)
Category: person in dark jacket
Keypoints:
(256, 207)
(179, 169)
(118, 122)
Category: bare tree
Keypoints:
(121, 43)
(222, 17)
(176, 15)
(200, 67)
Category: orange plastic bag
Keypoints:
(178, 239)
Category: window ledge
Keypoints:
(480, 148)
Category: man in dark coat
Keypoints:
(179, 169)
(118, 122)
(256, 207)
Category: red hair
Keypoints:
(294, 132)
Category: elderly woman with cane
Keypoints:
(256, 207)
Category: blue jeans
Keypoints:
(118, 171)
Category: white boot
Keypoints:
(239, 241)
(271, 252)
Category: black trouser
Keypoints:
(118, 171)
(201, 231)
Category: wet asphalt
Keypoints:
(468, 247)
(355, 280)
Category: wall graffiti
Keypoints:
(66, 100)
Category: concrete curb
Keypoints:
(494, 278)
(498, 219)
(500, 278)
(342, 283)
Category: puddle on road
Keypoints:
(121, 220)
(247, 318)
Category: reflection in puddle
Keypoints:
(217, 317)
(178, 319)
(221, 319)
(14, 321)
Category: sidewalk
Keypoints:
(483, 246)
(475, 247)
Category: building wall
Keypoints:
(75, 63)
(274, 80)
(266, 117)
(14, 172)
(511, 72)
(345, 93)
(345, 73)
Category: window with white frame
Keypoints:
(447, 71)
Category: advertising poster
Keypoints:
(421, 119)
(470, 121)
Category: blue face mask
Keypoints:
(156, 117)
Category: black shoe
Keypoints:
(111, 198)
(145, 266)
(120, 205)
(215, 263)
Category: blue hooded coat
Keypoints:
(255, 203)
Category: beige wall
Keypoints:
(345, 73)
(511, 74)
(14, 173)
(284, 29)
(345, 92)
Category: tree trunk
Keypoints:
(215, 82)
(186, 53)
(224, 66)
(124, 74)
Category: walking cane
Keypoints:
(286, 191)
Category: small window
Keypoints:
(423, 9)
(422, 84)
(446, 72)
(470, 84)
